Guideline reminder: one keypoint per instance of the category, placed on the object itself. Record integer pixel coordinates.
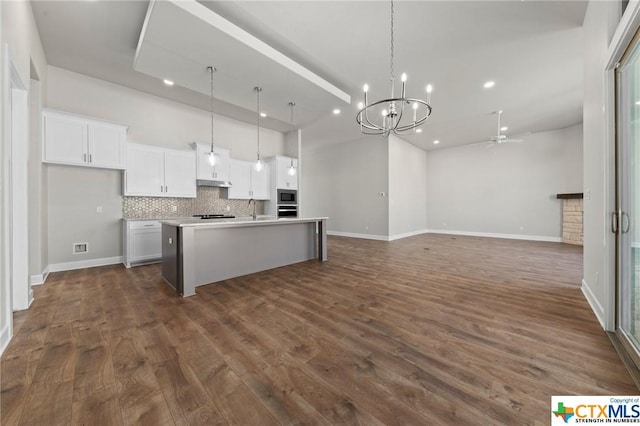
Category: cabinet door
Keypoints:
(144, 174)
(261, 183)
(180, 174)
(240, 177)
(223, 164)
(285, 179)
(65, 140)
(106, 145)
(145, 245)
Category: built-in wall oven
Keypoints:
(287, 203)
(285, 211)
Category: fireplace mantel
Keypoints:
(570, 196)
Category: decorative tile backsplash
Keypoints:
(209, 200)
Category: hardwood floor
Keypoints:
(432, 329)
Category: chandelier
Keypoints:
(212, 153)
(388, 115)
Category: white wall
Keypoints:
(600, 22)
(407, 188)
(343, 181)
(74, 193)
(506, 189)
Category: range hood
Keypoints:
(216, 183)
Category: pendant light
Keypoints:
(388, 115)
(292, 168)
(212, 153)
(259, 163)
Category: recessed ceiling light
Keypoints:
(418, 130)
(637, 102)
(168, 82)
(262, 114)
(336, 111)
(504, 128)
(436, 142)
(489, 84)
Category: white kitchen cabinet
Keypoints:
(81, 141)
(204, 169)
(285, 180)
(247, 182)
(159, 172)
(142, 242)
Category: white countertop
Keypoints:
(238, 221)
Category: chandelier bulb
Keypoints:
(415, 105)
(366, 88)
(429, 88)
(404, 77)
(385, 112)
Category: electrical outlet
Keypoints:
(99, 209)
(80, 248)
(174, 209)
(382, 194)
(228, 208)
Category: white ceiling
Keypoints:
(532, 49)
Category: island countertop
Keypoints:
(238, 221)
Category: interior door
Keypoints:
(626, 218)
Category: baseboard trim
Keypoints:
(493, 235)
(40, 278)
(81, 264)
(407, 234)
(596, 307)
(5, 338)
(363, 236)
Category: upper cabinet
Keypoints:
(285, 177)
(80, 141)
(220, 168)
(158, 172)
(247, 182)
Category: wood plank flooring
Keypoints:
(432, 329)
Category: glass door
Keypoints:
(626, 218)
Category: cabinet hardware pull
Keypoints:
(84, 158)
(90, 158)
(165, 189)
(614, 222)
(161, 188)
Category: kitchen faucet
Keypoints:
(254, 216)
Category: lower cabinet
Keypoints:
(142, 242)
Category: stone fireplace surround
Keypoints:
(572, 217)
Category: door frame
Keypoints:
(17, 291)
(622, 38)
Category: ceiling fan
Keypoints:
(500, 138)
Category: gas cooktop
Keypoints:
(214, 216)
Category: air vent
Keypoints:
(80, 248)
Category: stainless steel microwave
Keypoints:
(287, 196)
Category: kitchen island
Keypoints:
(197, 252)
